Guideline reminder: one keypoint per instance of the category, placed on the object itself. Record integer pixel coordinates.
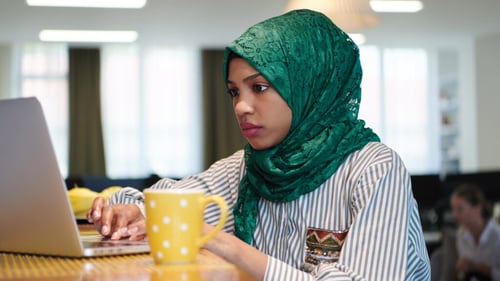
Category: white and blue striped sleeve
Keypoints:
(221, 178)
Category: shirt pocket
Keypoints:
(322, 246)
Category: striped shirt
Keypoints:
(369, 195)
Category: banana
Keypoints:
(81, 198)
(107, 192)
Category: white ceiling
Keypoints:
(214, 23)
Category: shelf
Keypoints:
(448, 105)
(449, 108)
(449, 130)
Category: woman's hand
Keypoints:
(117, 221)
(232, 249)
(464, 264)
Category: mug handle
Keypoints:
(222, 219)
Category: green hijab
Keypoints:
(315, 67)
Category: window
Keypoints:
(150, 104)
(397, 104)
(44, 74)
(151, 111)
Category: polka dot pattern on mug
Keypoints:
(183, 203)
(184, 251)
(174, 220)
(166, 244)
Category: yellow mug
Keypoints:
(174, 221)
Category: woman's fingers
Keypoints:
(121, 219)
(94, 213)
(117, 221)
(137, 230)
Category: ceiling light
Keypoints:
(395, 6)
(87, 36)
(358, 38)
(133, 4)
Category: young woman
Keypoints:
(478, 236)
(314, 194)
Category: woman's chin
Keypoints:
(260, 145)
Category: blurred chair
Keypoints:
(444, 258)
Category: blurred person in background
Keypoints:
(478, 235)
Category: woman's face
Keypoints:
(464, 213)
(264, 117)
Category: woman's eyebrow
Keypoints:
(253, 76)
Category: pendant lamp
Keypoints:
(349, 15)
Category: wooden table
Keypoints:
(128, 267)
(207, 267)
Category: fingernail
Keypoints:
(122, 230)
(133, 230)
(105, 229)
(96, 214)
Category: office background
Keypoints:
(464, 28)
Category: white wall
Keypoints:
(467, 106)
(488, 101)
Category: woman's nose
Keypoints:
(243, 104)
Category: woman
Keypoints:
(310, 169)
(478, 236)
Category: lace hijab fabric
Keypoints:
(315, 67)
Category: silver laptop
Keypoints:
(35, 212)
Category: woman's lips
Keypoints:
(249, 129)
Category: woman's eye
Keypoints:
(232, 92)
(258, 88)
